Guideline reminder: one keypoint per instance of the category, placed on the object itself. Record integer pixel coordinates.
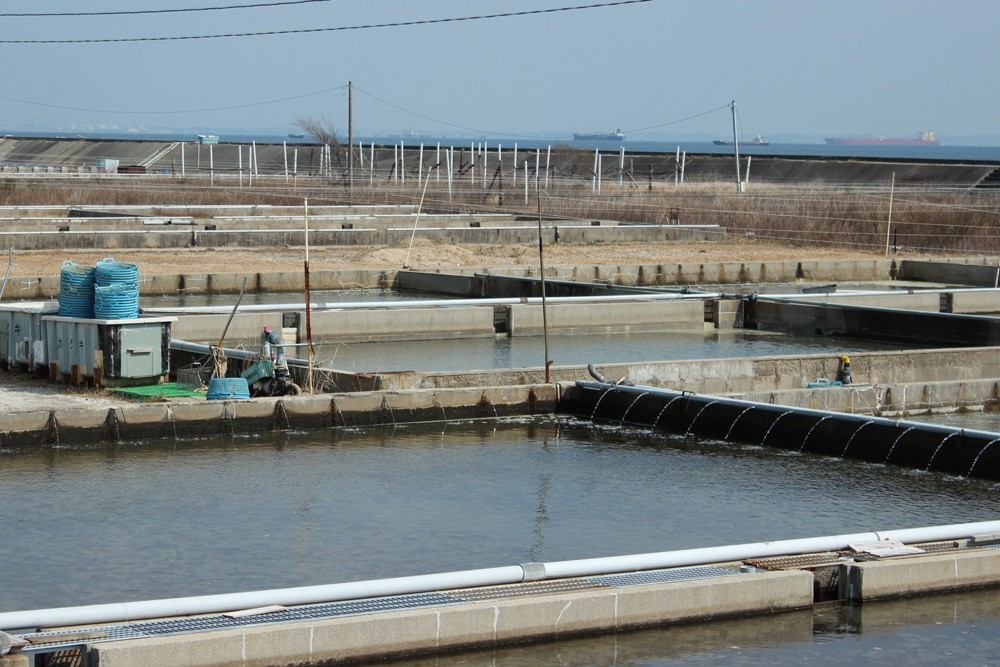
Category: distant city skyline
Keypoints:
(656, 68)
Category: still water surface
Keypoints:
(144, 520)
(527, 352)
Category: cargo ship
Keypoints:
(605, 136)
(925, 138)
(756, 141)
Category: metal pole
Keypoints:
(406, 260)
(350, 137)
(541, 281)
(309, 345)
(888, 225)
(736, 151)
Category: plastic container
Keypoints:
(76, 290)
(824, 382)
(116, 302)
(116, 290)
(111, 272)
(258, 371)
(227, 388)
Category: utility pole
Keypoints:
(736, 149)
(350, 138)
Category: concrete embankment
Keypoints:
(47, 286)
(458, 281)
(874, 373)
(29, 156)
(887, 383)
(187, 418)
(216, 236)
(546, 617)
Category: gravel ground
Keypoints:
(21, 393)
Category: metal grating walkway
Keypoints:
(222, 622)
(46, 642)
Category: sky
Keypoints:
(653, 68)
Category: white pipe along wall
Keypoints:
(148, 609)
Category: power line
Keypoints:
(507, 134)
(679, 120)
(434, 120)
(159, 11)
(303, 31)
(175, 111)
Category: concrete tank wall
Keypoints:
(598, 318)
(744, 374)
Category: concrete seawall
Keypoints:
(28, 156)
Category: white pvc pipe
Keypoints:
(205, 604)
(737, 552)
(425, 303)
(548, 162)
(128, 611)
(526, 182)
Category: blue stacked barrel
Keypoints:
(76, 290)
(116, 290)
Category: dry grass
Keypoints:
(768, 222)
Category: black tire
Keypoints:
(292, 389)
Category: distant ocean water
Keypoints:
(943, 152)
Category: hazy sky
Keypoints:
(792, 66)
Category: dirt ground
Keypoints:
(424, 255)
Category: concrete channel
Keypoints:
(751, 399)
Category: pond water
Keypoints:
(144, 520)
